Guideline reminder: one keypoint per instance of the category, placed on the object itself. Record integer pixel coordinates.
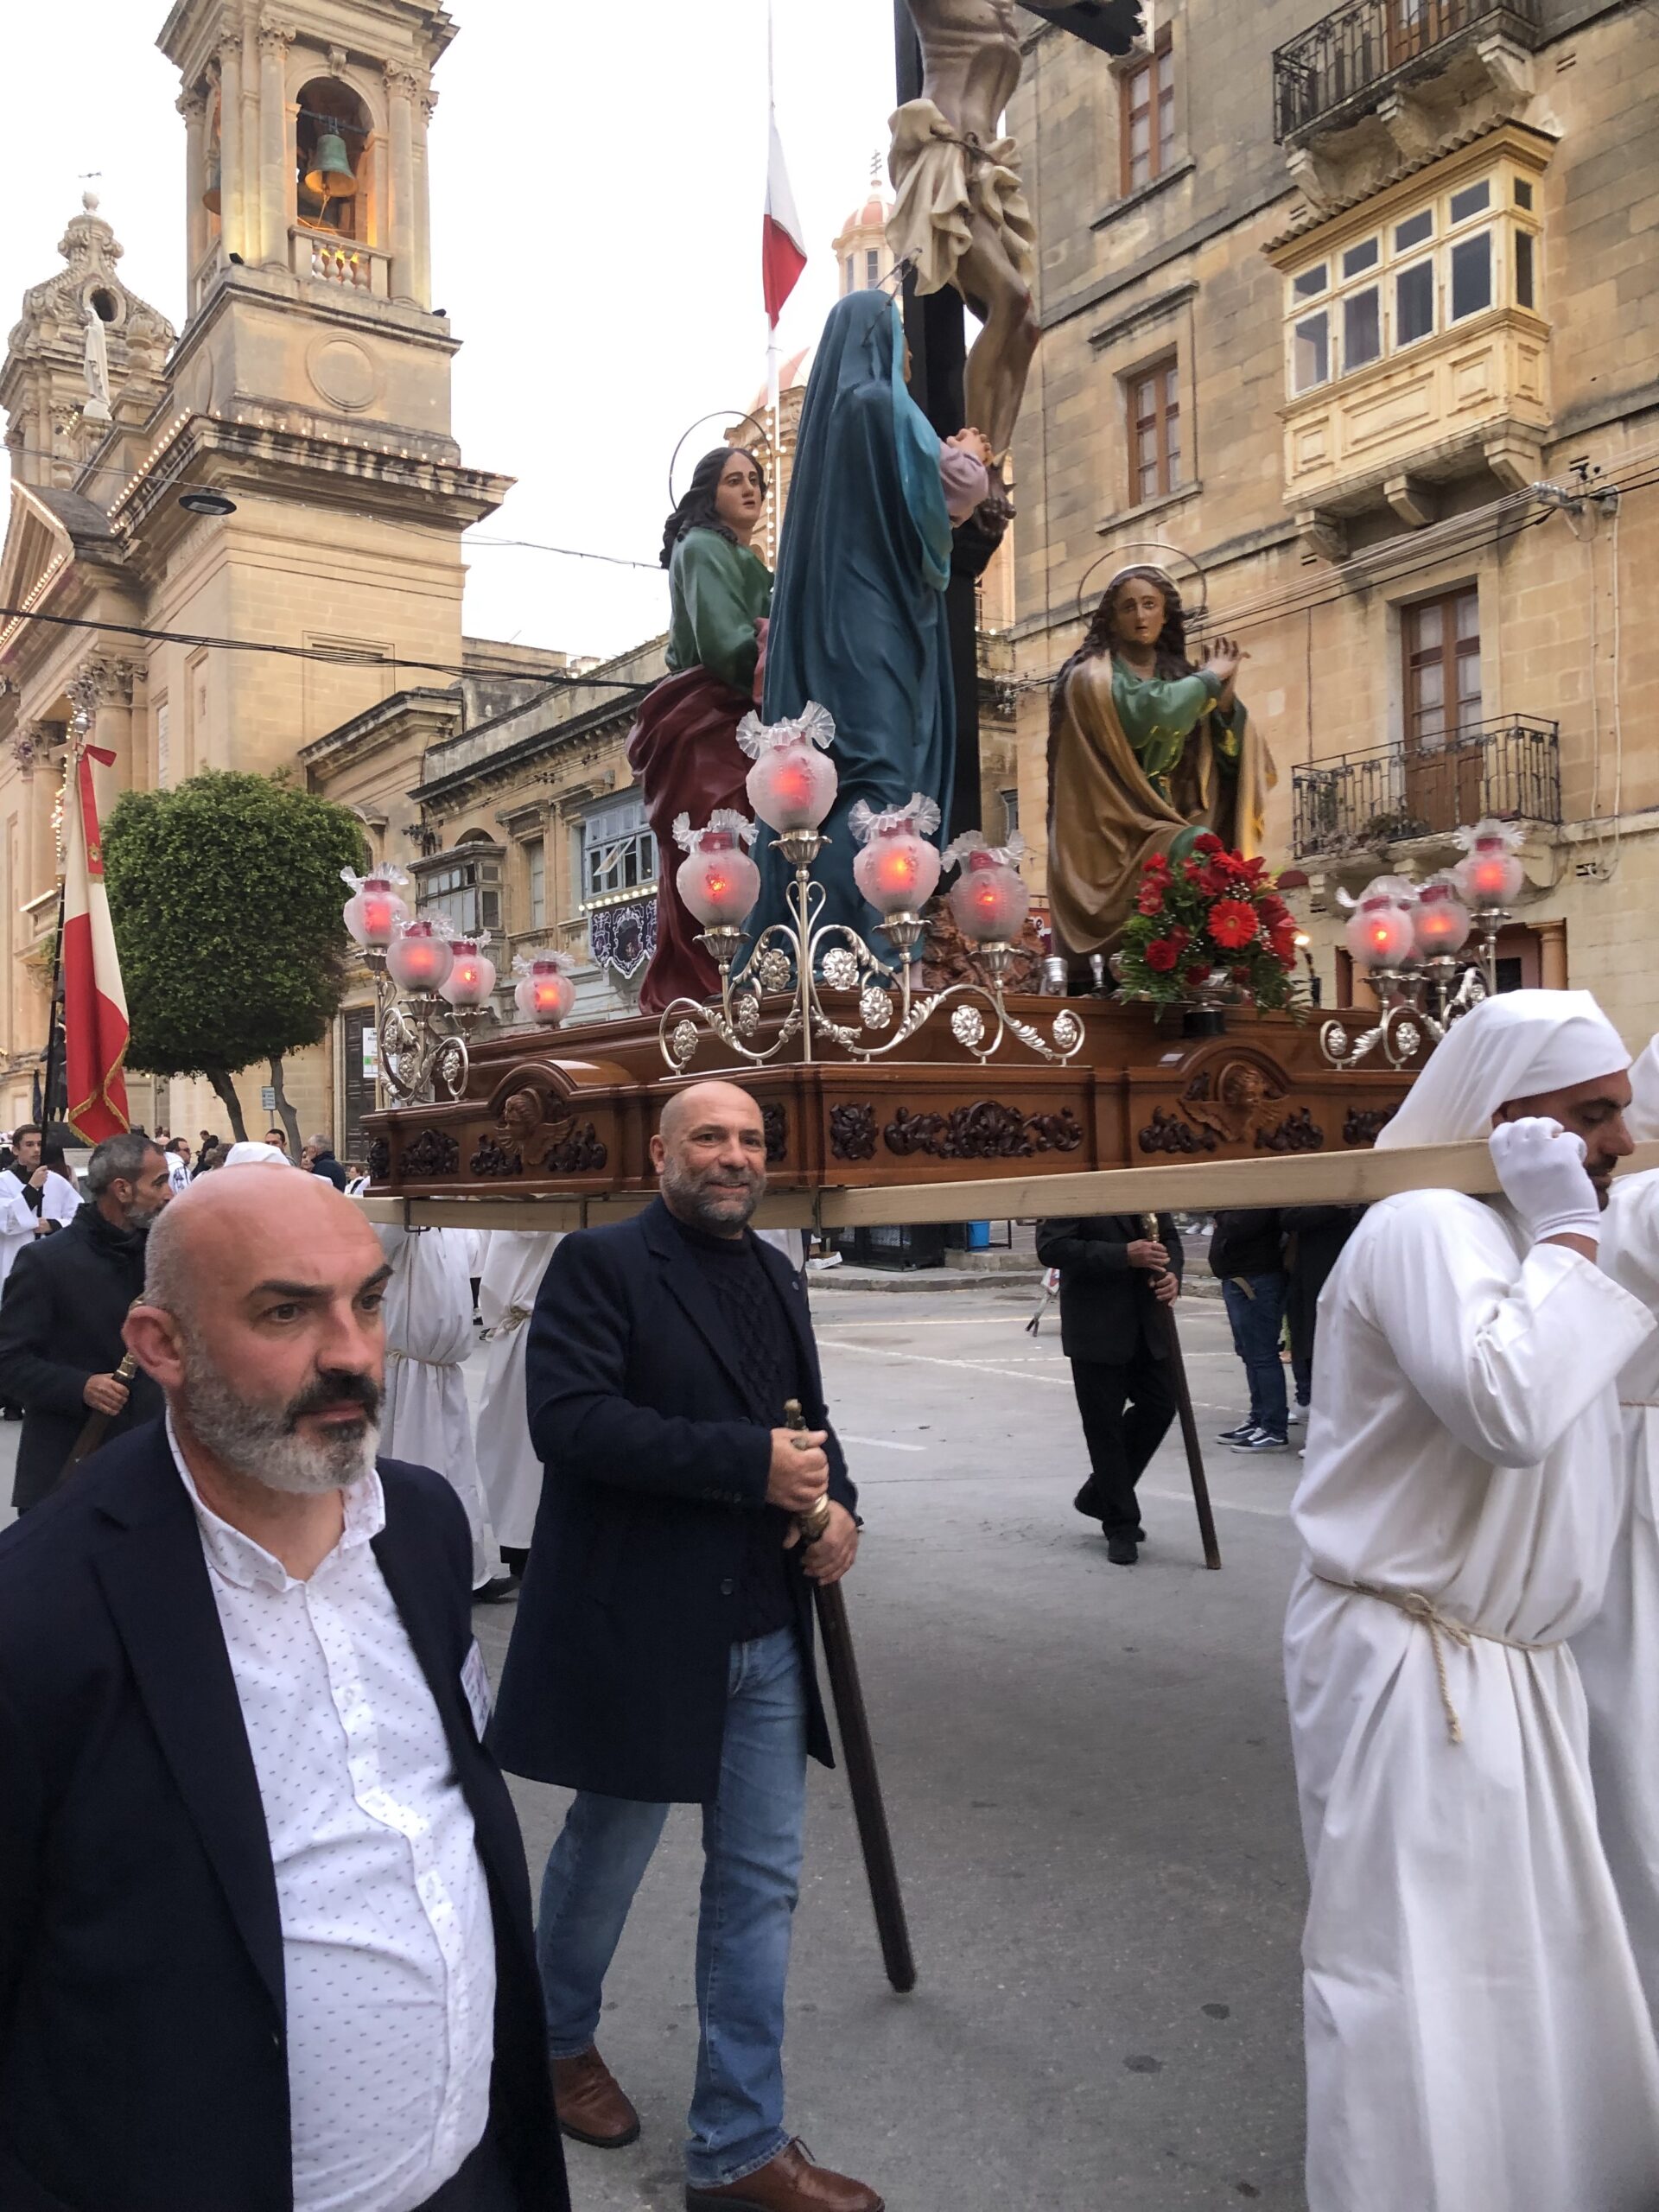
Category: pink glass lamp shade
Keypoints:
(373, 912)
(1440, 922)
(419, 957)
(472, 978)
(1380, 932)
(718, 881)
(898, 870)
(989, 900)
(544, 992)
(792, 787)
(1490, 874)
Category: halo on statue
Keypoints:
(720, 414)
(1194, 610)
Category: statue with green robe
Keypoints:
(1145, 753)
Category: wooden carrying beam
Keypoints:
(1309, 1179)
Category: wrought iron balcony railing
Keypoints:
(1361, 802)
(1346, 55)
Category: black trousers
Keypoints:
(482, 2185)
(1127, 1409)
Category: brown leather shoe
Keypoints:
(591, 2106)
(789, 2182)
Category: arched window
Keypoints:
(332, 142)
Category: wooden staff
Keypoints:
(1188, 1423)
(859, 1751)
(94, 1427)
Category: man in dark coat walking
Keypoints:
(1113, 1278)
(265, 1943)
(663, 1651)
(62, 1310)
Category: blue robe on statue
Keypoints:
(858, 619)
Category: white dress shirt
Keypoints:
(388, 1946)
(17, 1218)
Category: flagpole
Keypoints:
(775, 473)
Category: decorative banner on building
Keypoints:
(622, 938)
(94, 1002)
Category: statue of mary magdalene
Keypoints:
(1145, 753)
(858, 618)
(684, 746)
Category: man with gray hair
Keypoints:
(249, 1838)
(61, 1315)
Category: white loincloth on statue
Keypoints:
(514, 1263)
(426, 1417)
(941, 181)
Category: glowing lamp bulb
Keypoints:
(898, 870)
(472, 978)
(418, 959)
(1490, 874)
(546, 995)
(1441, 922)
(718, 881)
(1379, 933)
(792, 786)
(989, 900)
(371, 915)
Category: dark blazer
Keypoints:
(60, 1319)
(143, 2064)
(1107, 1308)
(329, 1167)
(616, 1679)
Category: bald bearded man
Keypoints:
(1476, 2034)
(663, 1651)
(264, 1941)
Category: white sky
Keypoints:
(598, 178)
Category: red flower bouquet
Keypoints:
(1210, 924)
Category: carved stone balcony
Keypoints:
(1369, 803)
(1383, 84)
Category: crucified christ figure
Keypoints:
(959, 212)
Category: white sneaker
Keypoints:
(1297, 1416)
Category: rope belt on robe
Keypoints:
(1417, 1607)
(514, 1317)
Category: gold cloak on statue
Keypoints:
(1107, 817)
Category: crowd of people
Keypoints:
(255, 1831)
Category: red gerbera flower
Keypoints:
(1232, 922)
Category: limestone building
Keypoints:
(307, 397)
(1356, 311)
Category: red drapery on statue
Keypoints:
(684, 750)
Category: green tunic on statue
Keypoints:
(1158, 714)
(718, 592)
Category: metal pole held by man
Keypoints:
(1189, 1423)
(869, 1810)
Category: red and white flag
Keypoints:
(782, 249)
(94, 1002)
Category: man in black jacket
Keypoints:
(266, 1944)
(1113, 1278)
(62, 1310)
(319, 1157)
(663, 1651)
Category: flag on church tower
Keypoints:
(782, 250)
(94, 1000)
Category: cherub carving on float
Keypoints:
(684, 746)
(1145, 753)
(959, 215)
(858, 619)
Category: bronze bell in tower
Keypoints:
(210, 198)
(330, 174)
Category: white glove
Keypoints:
(1541, 1169)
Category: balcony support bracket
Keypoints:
(1323, 533)
(1414, 128)
(1516, 459)
(1411, 499)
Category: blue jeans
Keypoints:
(751, 1878)
(1255, 1306)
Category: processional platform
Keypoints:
(558, 1124)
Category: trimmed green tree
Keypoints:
(225, 897)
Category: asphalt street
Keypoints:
(1088, 1782)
